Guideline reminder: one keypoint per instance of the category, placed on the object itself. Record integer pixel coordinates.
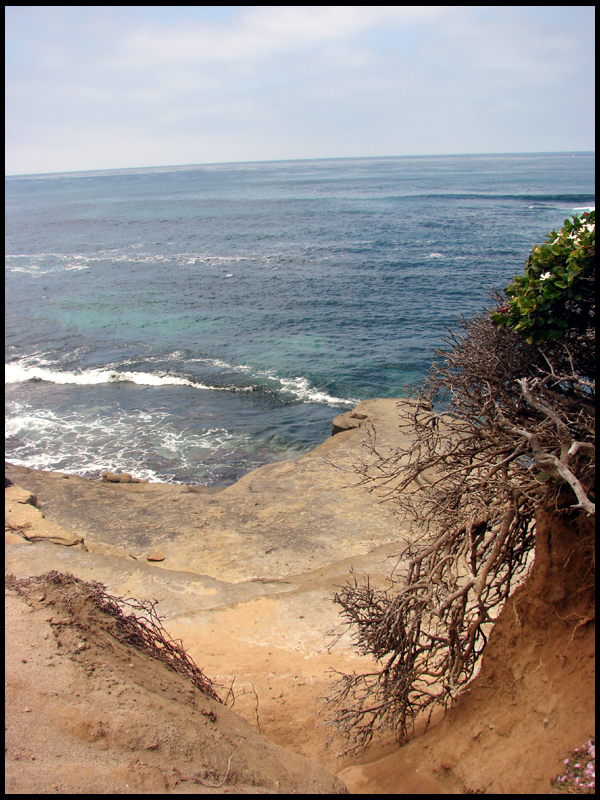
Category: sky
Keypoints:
(103, 87)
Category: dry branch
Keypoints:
(142, 628)
(515, 433)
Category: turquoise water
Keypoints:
(191, 323)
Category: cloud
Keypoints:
(104, 86)
(265, 31)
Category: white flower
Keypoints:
(545, 276)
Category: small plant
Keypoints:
(556, 291)
(579, 776)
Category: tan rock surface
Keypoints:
(15, 494)
(23, 518)
(155, 555)
(285, 518)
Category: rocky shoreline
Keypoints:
(243, 575)
(285, 518)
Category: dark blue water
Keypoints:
(191, 323)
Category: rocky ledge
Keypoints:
(282, 519)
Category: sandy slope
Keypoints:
(87, 713)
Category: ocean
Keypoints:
(188, 324)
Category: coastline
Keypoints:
(248, 571)
(245, 580)
(283, 519)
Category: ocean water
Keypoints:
(188, 324)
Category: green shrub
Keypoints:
(556, 292)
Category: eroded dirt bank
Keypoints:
(89, 711)
(533, 701)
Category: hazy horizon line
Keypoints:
(169, 167)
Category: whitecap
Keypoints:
(298, 387)
(303, 391)
(19, 373)
(217, 362)
(38, 264)
(36, 271)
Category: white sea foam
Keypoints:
(38, 264)
(18, 373)
(39, 422)
(217, 362)
(36, 270)
(302, 390)
(87, 444)
(298, 387)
